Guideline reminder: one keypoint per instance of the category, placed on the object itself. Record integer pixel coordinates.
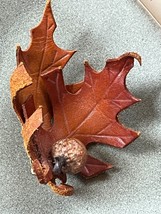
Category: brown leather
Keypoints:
(50, 111)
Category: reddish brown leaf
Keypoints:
(89, 111)
(43, 55)
(90, 114)
(50, 111)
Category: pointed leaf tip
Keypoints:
(17, 46)
(136, 56)
(86, 64)
(48, 4)
(94, 167)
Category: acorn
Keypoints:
(69, 155)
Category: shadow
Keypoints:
(91, 181)
(144, 112)
(143, 145)
(90, 186)
(141, 116)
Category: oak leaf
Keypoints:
(50, 111)
(90, 114)
(88, 110)
(42, 55)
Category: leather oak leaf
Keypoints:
(42, 55)
(88, 110)
(90, 114)
(50, 111)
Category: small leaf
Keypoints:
(42, 55)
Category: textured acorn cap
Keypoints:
(73, 151)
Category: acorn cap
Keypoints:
(74, 153)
